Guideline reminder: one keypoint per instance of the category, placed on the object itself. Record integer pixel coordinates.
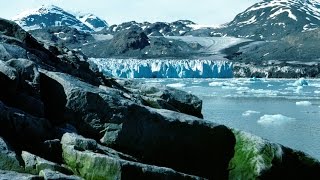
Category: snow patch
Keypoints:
(102, 37)
(200, 26)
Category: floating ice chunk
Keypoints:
(299, 89)
(277, 119)
(303, 103)
(250, 112)
(176, 85)
(254, 79)
(301, 82)
(214, 84)
(317, 92)
(243, 89)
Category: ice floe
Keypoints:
(250, 112)
(277, 119)
(301, 82)
(176, 85)
(303, 103)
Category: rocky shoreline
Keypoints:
(62, 119)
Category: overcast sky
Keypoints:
(208, 12)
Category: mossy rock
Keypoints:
(256, 158)
(253, 155)
(91, 166)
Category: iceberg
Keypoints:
(158, 68)
(301, 82)
(277, 119)
(250, 112)
(303, 103)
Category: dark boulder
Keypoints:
(9, 80)
(27, 70)
(21, 128)
(27, 97)
(175, 140)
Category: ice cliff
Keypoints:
(156, 68)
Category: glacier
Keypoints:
(163, 68)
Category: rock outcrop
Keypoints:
(92, 161)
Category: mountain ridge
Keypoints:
(51, 16)
(273, 19)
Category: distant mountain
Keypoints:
(273, 19)
(50, 16)
(92, 21)
(177, 28)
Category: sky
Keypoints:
(206, 12)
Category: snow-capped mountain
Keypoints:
(176, 28)
(275, 18)
(92, 21)
(50, 16)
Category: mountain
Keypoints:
(50, 16)
(92, 21)
(176, 28)
(273, 19)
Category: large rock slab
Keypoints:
(87, 107)
(175, 140)
(48, 174)
(12, 175)
(34, 164)
(10, 51)
(90, 161)
(163, 97)
(8, 158)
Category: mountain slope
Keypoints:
(271, 19)
(50, 16)
(92, 21)
(176, 28)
